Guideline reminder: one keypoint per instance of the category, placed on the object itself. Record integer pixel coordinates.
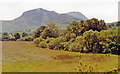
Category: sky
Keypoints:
(101, 9)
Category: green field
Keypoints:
(26, 57)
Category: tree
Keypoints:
(17, 35)
(79, 28)
(51, 26)
(24, 34)
(46, 33)
(118, 23)
(76, 28)
(38, 31)
(5, 36)
(56, 43)
(113, 41)
(54, 29)
(90, 39)
(5, 33)
(50, 31)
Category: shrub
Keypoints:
(38, 31)
(24, 34)
(5, 36)
(26, 38)
(12, 38)
(29, 38)
(36, 41)
(43, 44)
(66, 45)
(74, 47)
(69, 36)
(17, 35)
(59, 47)
(55, 43)
(48, 40)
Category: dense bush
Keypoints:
(56, 43)
(17, 35)
(24, 34)
(48, 40)
(66, 45)
(26, 38)
(37, 41)
(43, 44)
(50, 31)
(74, 47)
(5, 36)
(38, 31)
(29, 38)
(84, 36)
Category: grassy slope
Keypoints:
(24, 57)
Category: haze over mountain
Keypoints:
(33, 19)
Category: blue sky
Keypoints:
(101, 9)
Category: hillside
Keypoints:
(77, 15)
(34, 18)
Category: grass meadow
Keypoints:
(18, 56)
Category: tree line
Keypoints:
(91, 36)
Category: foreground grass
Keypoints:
(25, 57)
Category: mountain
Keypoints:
(77, 15)
(33, 19)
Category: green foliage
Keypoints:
(112, 25)
(5, 33)
(17, 35)
(38, 31)
(12, 38)
(46, 33)
(69, 36)
(43, 44)
(90, 38)
(51, 31)
(5, 36)
(74, 47)
(118, 23)
(79, 28)
(84, 36)
(66, 45)
(29, 38)
(26, 38)
(37, 41)
(52, 26)
(113, 41)
(56, 43)
(24, 34)
(48, 40)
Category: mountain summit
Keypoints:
(34, 18)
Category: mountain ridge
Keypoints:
(34, 18)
